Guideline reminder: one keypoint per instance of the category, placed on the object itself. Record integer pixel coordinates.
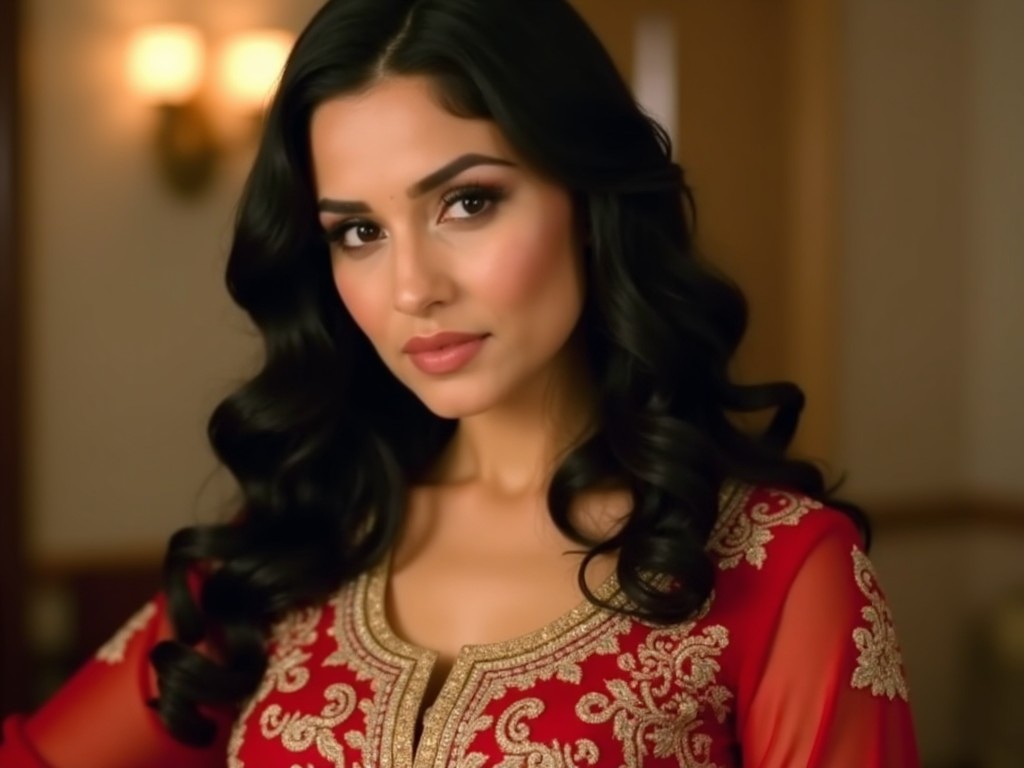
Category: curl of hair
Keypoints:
(323, 441)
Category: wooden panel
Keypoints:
(13, 693)
(733, 143)
(914, 516)
(813, 239)
(758, 120)
(613, 22)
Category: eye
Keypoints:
(470, 202)
(352, 235)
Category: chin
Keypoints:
(453, 407)
(454, 399)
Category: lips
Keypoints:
(439, 341)
(443, 352)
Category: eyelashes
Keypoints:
(474, 199)
(467, 203)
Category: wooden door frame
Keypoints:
(13, 673)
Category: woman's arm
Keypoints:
(833, 690)
(100, 717)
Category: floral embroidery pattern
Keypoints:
(879, 665)
(481, 676)
(563, 666)
(739, 537)
(671, 685)
(112, 651)
(299, 732)
(285, 671)
(513, 736)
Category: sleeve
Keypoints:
(832, 691)
(100, 719)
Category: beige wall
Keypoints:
(930, 405)
(131, 337)
(994, 359)
(902, 382)
(932, 268)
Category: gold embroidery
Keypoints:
(112, 651)
(480, 673)
(879, 664)
(513, 737)
(285, 671)
(299, 732)
(672, 681)
(738, 536)
(397, 673)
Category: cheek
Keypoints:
(533, 268)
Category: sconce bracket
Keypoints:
(186, 146)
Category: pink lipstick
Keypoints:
(444, 352)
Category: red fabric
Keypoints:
(793, 662)
(15, 750)
(99, 718)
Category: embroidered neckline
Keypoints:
(383, 695)
(380, 640)
(372, 601)
(361, 624)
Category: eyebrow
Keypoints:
(421, 187)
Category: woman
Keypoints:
(495, 509)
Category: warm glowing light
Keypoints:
(251, 65)
(165, 63)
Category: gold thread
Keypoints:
(285, 671)
(513, 736)
(397, 674)
(441, 725)
(299, 732)
(671, 684)
(879, 664)
(397, 671)
(742, 535)
(113, 651)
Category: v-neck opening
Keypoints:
(373, 606)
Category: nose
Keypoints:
(421, 278)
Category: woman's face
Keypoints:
(459, 263)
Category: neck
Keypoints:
(511, 450)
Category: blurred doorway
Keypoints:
(758, 116)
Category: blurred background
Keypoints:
(858, 168)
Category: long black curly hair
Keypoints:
(324, 441)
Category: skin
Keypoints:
(479, 559)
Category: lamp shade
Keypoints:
(165, 63)
(251, 64)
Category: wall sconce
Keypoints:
(167, 67)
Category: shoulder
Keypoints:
(815, 662)
(786, 560)
(766, 537)
(765, 528)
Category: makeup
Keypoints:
(443, 353)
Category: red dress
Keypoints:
(792, 662)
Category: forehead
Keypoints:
(395, 131)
